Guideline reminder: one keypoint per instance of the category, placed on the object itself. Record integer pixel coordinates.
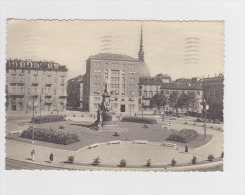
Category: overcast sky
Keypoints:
(167, 46)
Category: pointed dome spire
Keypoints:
(141, 52)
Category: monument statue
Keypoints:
(107, 85)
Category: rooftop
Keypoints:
(110, 56)
(149, 81)
(180, 87)
(30, 64)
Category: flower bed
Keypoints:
(184, 135)
(48, 119)
(50, 135)
(139, 120)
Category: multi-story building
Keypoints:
(43, 81)
(168, 88)
(213, 93)
(123, 73)
(75, 92)
(150, 86)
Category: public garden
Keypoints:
(140, 145)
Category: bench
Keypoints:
(93, 146)
(140, 141)
(14, 132)
(115, 142)
(169, 145)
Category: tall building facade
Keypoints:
(123, 74)
(41, 81)
(75, 92)
(213, 93)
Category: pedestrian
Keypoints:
(51, 157)
(186, 148)
(33, 155)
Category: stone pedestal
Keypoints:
(105, 116)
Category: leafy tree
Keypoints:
(159, 100)
(187, 101)
(173, 101)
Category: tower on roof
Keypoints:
(141, 52)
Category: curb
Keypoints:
(190, 168)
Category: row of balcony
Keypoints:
(14, 102)
(21, 93)
(33, 83)
(22, 74)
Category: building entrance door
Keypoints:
(14, 107)
(122, 108)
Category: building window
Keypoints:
(96, 99)
(114, 71)
(35, 73)
(54, 91)
(115, 78)
(167, 92)
(96, 84)
(96, 77)
(132, 79)
(123, 79)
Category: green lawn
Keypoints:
(134, 131)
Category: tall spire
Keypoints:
(141, 52)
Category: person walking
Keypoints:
(51, 157)
(186, 149)
(33, 155)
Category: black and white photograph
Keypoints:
(109, 95)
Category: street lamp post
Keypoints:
(130, 100)
(33, 111)
(142, 108)
(32, 119)
(205, 108)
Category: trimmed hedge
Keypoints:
(139, 120)
(48, 119)
(184, 135)
(50, 135)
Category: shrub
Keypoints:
(148, 163)
(50, 135)
(70, 159)
(146, 126)
(139, 120)
(61, 127)
(222, 155)
(123, 163)
(184, 135)
(210, 157)
(96, 161)
(211, 127)
(194, 160)
(194, 124)
(185, 122)
(173, 162)
(48, 119)
(116, 134)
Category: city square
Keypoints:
(114, 114)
